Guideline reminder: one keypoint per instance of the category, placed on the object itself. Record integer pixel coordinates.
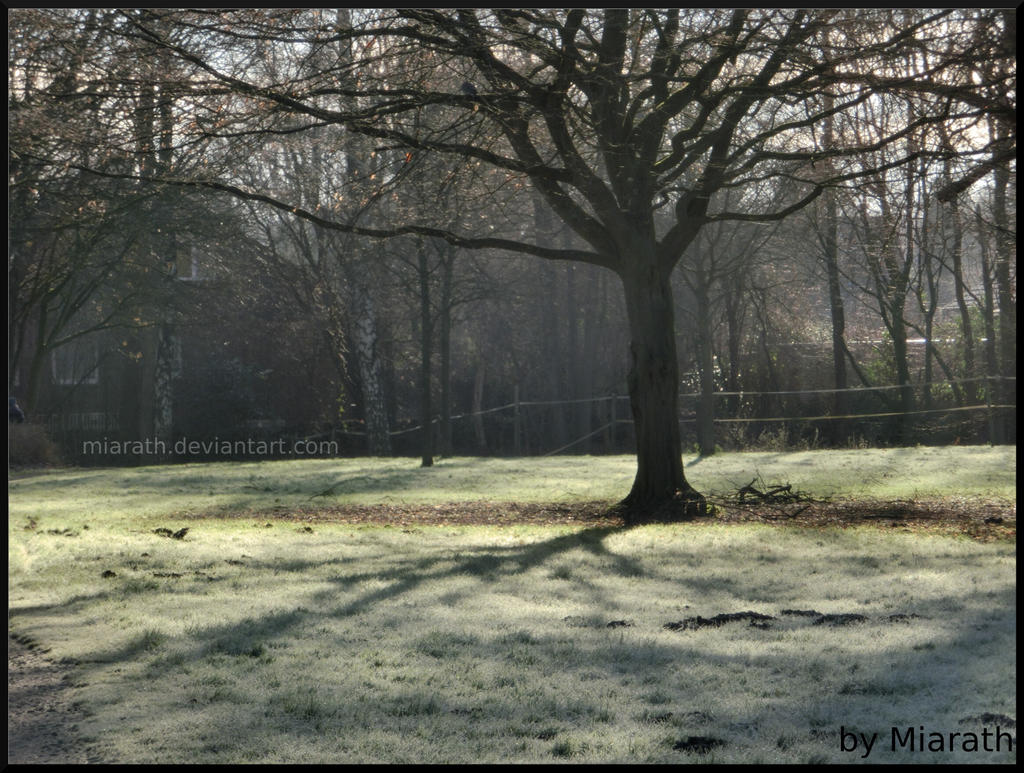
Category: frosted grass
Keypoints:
(492, 645)
(64, 496)
(247, 643)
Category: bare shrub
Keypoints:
(29, 446)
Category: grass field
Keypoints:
(256, 639)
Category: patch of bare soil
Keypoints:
(41, 717)
(982, 520)
(977, 519)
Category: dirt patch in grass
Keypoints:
(765, 621)
(972, 517)
(41, 715)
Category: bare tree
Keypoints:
(609, 117)
(86, 254)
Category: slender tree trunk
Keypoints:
(705, 366)
(572, 352)
(33, 378)
(838, 428)
(926, 388)
(899, 311)
(552, 356)
(952, 222)
(1006, 255)
(445, 345)
(840, 404)
(478, 406)
(426, 409)
(988, 315)
(734, 316)
(959, 289)
(16, 345)
(163, 387)
(358, 158)
(169, 351)
(898, 330)
(1007, 315)
(928, 303)
(891, 273)
(588, 348)
(365, 337)
(660, 489)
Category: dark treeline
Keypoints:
(177, 268)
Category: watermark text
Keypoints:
(183, 447)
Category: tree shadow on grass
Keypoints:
(493, 562)
(403, 579)
(308, 710)
(870, 699)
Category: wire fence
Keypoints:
(968, 411)
(549, 427)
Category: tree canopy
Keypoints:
(636, 128)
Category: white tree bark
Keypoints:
(364, 340)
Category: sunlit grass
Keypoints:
(62, 498)
(248, 643)
(474, 644)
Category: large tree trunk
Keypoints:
(660, 490)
